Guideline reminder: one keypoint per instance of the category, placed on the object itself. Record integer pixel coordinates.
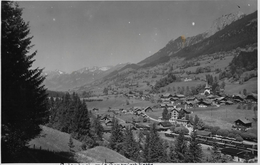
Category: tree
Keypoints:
(194, 149)
(165, 114)
(97, 128)
(116, 137)
(24, 102)
(105, 91)
(155, 150)
(130, 146)
(71, 145)
(180, 148)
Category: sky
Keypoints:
(70, 35)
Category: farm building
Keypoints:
(204, 103)
(251, 98)
(238, 97)
(148, 109)
(238, 155)
(182, 122)
(163, 126)
(243, 122)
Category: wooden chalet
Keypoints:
(95, 109)
(251, 98)
(243, 123)
(147, 109)
(163, 126)
(204, 103)
(238, 155)
(182, 122)
(238, 97)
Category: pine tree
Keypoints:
(83, 122)
(130, 146)
(194, 149)
(116, 137)
(181, 148)
(97, 129)
(147, 148)
(24, 102)
(172, 155)
(71, 144)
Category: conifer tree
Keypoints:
(172, 155)
(194, 149)
(83, 122)
(71, 144)
(24, 97)
(180, 148)
(156, 145)
(97, 129)
(116, 137)
(130, 146)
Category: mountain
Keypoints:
(174, 46)
(240, 33)
(61, 81)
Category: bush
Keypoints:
(222, 132)
(183, 129)
(238, 137)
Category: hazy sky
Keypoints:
(71, 35)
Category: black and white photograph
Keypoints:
(129, 82)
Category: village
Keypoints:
(180, 108)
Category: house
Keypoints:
(187, 79)
(182, 122)
(189, 104)
(142, 126)
(204, 103)
(251, 98)
(238, 97)
(147, 109)
(238, 155)
(95, 109)
(243, 122)
(163, 126)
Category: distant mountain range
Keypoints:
(227, 33)
(61, 81)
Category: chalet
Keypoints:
(175, 113)
(238, 97)
(147, 109)
(189, 104)
(182, 122)
(204, 103)
(95, 109)
(163, 106)
(238, 155)
(163, 126)
(243, 122)
(142, 126)
(251, 98)
(211, 96)
(166, 95)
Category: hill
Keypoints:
(101, 154)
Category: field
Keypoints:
(54, 140)
(223, 116)
(250, 86)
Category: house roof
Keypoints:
(165, 124)
(245, 121)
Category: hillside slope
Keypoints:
(101, 154)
